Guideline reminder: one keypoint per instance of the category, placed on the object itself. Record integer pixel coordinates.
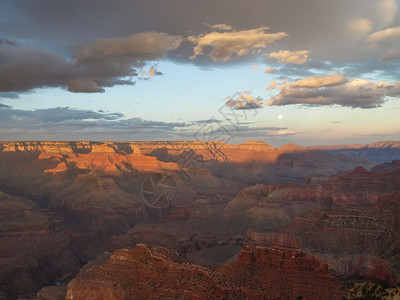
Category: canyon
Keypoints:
(238, 214)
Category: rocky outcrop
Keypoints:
(272, 239)
(356, 243)
(361, 187)
(291, 148)
(155, 273)
(387, 167)
(34, 247)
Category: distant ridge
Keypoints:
(378, 152)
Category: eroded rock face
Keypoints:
(356, 243)
(155, 273)
(34, 247)
(63, 202)
(66, 202)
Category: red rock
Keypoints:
(354, 242)
(154, 273)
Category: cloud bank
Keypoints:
(69, 123)
(334, 89)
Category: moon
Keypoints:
(280, 117)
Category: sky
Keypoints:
(311, 72)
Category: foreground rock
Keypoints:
(157, 273)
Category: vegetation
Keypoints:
(373, 291)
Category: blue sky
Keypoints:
(320, 73)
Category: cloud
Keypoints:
(78, 124)
(334, 89)
(316, 26)
(25, 67)
(7, 42)
(151, 73)
(84, 86)
(221, 27)
(225, 44)
(386, 10)
(137, 47)
(291, 57)
(285, 132)
(9, 95)
(104, 63)
(260, 131)
(393, 53)
(359, 27)
(271, 70)
(51, 123)
(320, 81)
(313, 25)
(388, 40)
(244, 100)
(385, 35)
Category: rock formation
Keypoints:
(155, 273)
(64, 203)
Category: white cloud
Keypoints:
(290, 57)
(221, 27)
(226, 44)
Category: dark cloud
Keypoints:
(319, 26)
(7, 42)
(9, 95)
(43, 124)
(116, 38)
(105, 63)
(201, 122)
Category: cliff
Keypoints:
(155, 273)
(356, 243)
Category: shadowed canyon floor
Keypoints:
(246, 209)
